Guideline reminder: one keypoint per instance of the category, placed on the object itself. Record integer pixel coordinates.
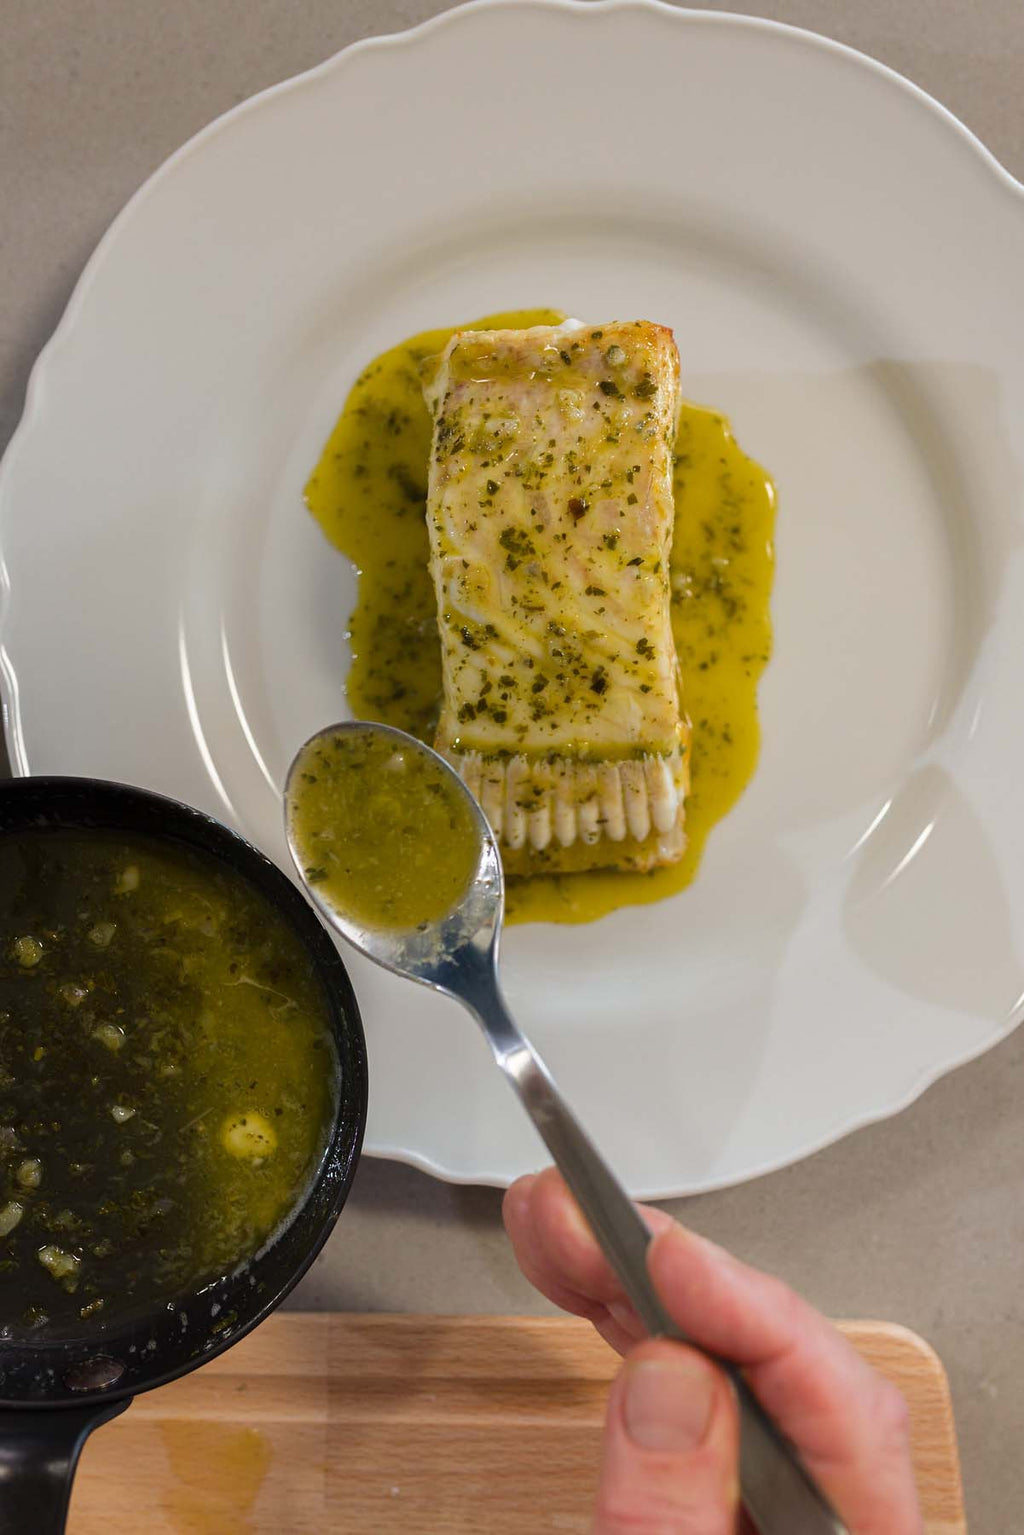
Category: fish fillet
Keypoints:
(550, 515)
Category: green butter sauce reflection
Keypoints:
(167, 1075)
(383, 834)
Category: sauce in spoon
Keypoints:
(383, 833)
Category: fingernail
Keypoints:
(668, 1403)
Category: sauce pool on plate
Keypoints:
(368, 493)
(384, 834)
(167, 1075)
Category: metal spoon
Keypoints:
(458, 956)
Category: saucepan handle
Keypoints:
(39, 1450)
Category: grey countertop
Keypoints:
(919, 1219)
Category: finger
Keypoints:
(849, 1424)
(559, 1254)
(622, 1339)
(616, 1322)
(840, 1418)
(521, 1225)
(669, 1455)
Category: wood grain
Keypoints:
(424, 1425)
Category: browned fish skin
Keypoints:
(550, 515)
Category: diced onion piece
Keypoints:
(101, 934)
(128, 880)
(30, 1173)
(109, 1034)
(60, 1264)
(120, 1114)
(10, 1215)
(570, 403)
(71, 994)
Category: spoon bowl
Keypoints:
(427, 951)
(457, 953)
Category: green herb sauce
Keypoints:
(167, 1076)
(384, 834)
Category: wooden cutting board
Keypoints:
(424, 1425)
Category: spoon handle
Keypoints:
(776, 1489)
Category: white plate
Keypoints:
(841, 262)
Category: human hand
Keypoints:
(669, 1462)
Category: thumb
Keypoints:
(669, 1458)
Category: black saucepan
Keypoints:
(54, 1391)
